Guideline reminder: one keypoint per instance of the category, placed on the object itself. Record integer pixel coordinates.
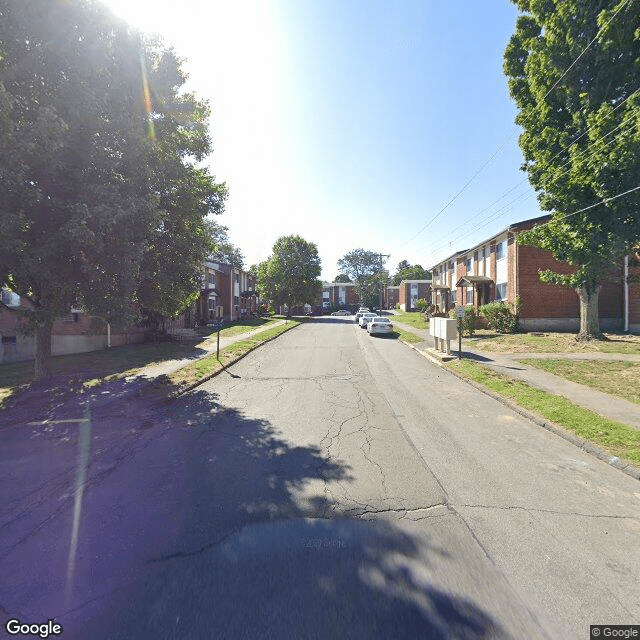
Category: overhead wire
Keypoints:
(491, 218)
(475, 175)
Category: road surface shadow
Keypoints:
(189, 523)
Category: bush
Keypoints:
(422, 304)
(469, 321)
(504, 318)
(397, 306)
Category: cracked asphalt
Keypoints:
(328, 485)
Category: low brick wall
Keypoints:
(24, 346)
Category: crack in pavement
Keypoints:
(534, 510)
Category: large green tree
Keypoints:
(579, 105)
(291, 274)
(225, 251)
(410, 272)
(103, 202)
(366, 271)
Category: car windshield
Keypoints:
(382, 320)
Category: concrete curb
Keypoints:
(558, 430)
(191, 387)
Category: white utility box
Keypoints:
(443, 331)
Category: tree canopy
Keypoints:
(364, 268)
(290, 276)
(224, 251)
(578, 105)
(410, 272)
(342, 277)
(104, 200)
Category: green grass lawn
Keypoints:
(243, 326)
(200, 369)
(618, 378)
(535, 342)
(405, 335)
(619, 439)
(96, 365)
(413, 318)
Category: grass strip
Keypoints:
(245, 326)
(618, 439)
(534, 342)
(204, 368)
(406, 335)
(620, 379)
(413, 318)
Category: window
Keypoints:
(212, 280)
(453, 296)
(212, 303)
(469, 295)
(8, 339)
(501, 291)
(501, 250)
(236, 300)
(469, 264)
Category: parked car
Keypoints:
(341, 312)
(379, 324)
(365, 318)
(360, 311)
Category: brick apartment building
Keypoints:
(500, 269)
(75, 333)
(227, 293)
(410, 291)
(339, 294)
(392, 297)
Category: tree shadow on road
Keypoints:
(199, 522)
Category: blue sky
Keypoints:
(353, 123)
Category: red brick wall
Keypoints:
(541, 300)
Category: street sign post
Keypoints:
(459, 315)
(217, 326)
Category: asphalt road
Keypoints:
(329, 485)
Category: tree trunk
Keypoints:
(589, 316)
(43, 349)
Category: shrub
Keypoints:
(422, 304)
(469, 320)
(504, 318)
(397, 306)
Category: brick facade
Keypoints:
(545, 307)
(421, 291)
(228, 293)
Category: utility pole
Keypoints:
(382, 284)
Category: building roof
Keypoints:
(473, 280)
(338, 284)
(512, 227)
(415, 281)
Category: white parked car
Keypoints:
(341, 312)
(365, 318)
(379, 324)
(360, 311)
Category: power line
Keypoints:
(475, 175)
(492, 217)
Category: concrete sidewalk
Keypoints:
(604, 404)
(205, 348)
